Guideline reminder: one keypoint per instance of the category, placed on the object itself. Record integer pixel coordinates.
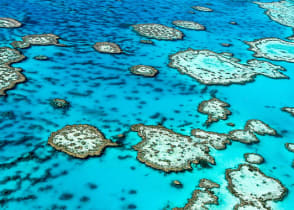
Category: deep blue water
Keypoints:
(104, 93)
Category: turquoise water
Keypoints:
(104, 93)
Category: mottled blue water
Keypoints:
(103, 92)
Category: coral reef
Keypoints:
(158, 31)
(253, 187)
(189, 25)
(273, 49)
(215, 109)
(208, 184)
(9, 23)
(290, 146)
(202, 9)
(216, 140)
(253, 158)
(79, 141)
(58, 103)
(212, 68)
(9, 76)
(289, 110)
(247, 135)
(37, 39)
(107, 47)
(168, 151)
(147, 71)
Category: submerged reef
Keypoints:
(9, 76)
(58, 103)
(147, 71)
(107, 47)
(289, 110)
(290, 146)
(211, 68)
(281, 11)
(273, 49)
(37, 39)
(215, 109)
(253, 158)
(41, 57)
(202, 9)
(216, 140)
(9, 23)
(253, 187)
(247, 135)
(189, 25)
(79, 141)
(158, 31)
(168, 151)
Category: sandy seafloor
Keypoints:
(104, 93)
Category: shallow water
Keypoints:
(104, 93)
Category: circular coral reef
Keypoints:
(147, 71)
(158, 31)
(107, 47)
(9, 23)
(79, 141)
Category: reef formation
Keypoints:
(143, 70)
(79, 141)
(202, 9)
(215, 109)
(290, 110)
(158, 31)
(281, 11)
(211, 68)
(253, 158)
(247, 135)
(107, 47)
(253, 187)
(202, 198)
(9, 23)
(216, 140)
(189, 25)
(273, 49)
(9, 76)
(37, 39)
(168, 151)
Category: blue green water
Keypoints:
(104, 93)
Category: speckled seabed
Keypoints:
(100, 90)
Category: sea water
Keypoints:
(103, 92)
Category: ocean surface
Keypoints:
(104, 93)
